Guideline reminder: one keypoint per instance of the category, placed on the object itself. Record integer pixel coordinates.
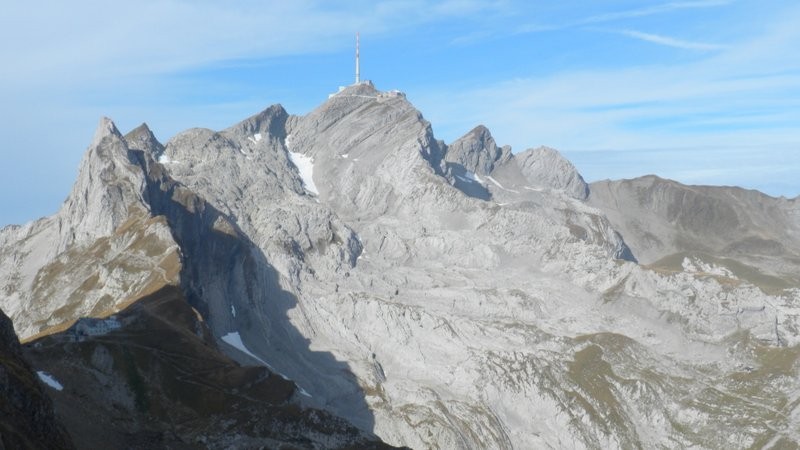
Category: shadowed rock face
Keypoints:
(477, 152)
(27, 420)
(439, 296)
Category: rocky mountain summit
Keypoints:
(433, 295)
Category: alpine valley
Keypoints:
(344, 279)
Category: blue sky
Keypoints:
(702, 91)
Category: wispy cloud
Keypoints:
(670, 42)
(651, 10)
(663, 8)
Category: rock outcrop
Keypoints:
(546, 167)
(477, 152)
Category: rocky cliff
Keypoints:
(440, 296)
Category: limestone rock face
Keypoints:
(477, 152)
(101, 250)
(546, 167)
(450, 296)
(664, 220)
(107, 185)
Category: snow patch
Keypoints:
(164, 159)
(255, 138)
(49, 380)
(234, 339)
(470, 177)
(497, 183)
(305, 167)
(474, 177)
(233, 310)
(346, 155)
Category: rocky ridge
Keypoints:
(451, 296)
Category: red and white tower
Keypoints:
(358, 68)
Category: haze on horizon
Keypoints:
(701, 91)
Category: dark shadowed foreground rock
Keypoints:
(158, 381)
(27, 420)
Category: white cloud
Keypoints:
(671, 42)
(662, 8)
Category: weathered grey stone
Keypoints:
(546, 167)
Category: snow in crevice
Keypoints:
(497, 183)
(255, 138)
(470, 177)
(233, 310)
(474, 177)
(234, 339)
(304, 164)
(305, 167)
(49, 380)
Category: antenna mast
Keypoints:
(358, 74)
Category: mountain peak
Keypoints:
(142, 138)
(142, 131)
(546, 166)
(270, 122)
(477, 151)
(105, 127)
